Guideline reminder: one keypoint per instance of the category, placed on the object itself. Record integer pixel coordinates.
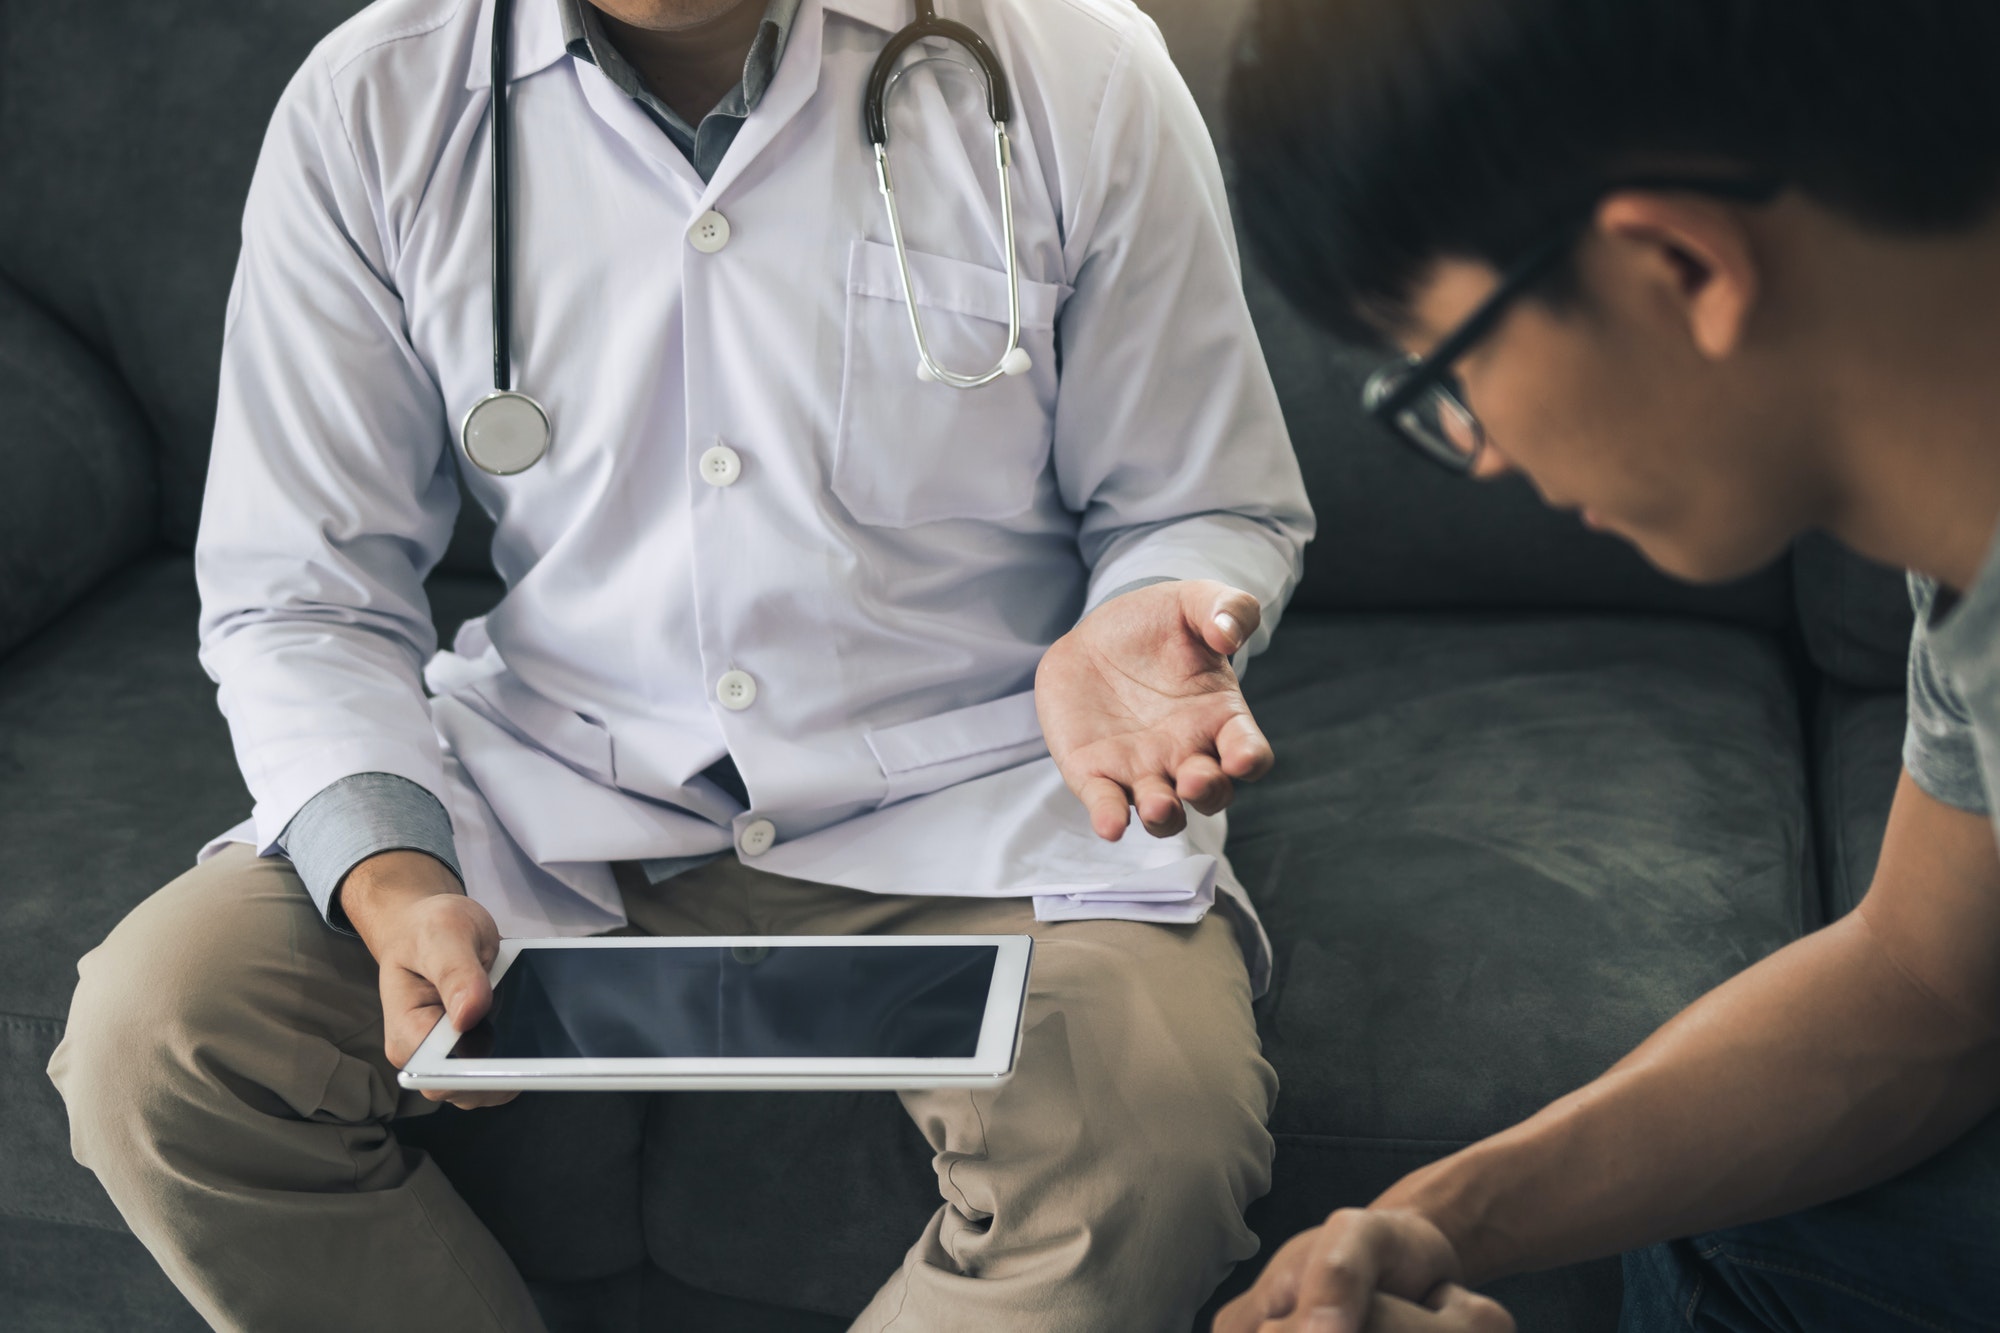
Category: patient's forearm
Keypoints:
(1822, 1069)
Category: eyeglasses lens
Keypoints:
(1442, 426)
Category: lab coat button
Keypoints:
(709, 233)
(721, 466)
(737, 690)
(757, 837)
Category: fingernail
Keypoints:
(1227, 623)
(1323, 1321)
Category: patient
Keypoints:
(1713, 275)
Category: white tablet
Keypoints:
(741, 1011)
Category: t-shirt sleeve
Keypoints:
(1938, 748)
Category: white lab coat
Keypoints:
(892, 557)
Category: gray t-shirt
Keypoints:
(1952, 747)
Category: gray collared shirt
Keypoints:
(1952, 745)
(705, 144)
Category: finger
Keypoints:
(450, 959)
(1273, 1295)
(1240, 744)
(1202, 784)
(1225, 617)
(1462, 1311)
(472, 1101)
(1383, 1314)
(1108, 806)
(1159, 808)
(410, 1009)
(1337, 1280)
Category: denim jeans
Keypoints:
(1921, 1251)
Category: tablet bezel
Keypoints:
(999, 1032)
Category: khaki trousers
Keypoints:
(225, 1078)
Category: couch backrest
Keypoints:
(128, 130)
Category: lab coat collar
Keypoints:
(535, 43)
(888, 15)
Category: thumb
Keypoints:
(457, 970)
(466, 992)
(1223, 616)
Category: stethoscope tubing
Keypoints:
(507, 432)
(1003, 156)
(503, 229)
(1000, 108)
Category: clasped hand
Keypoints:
(1142, 710)
(1364, 1270)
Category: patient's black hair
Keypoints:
(1373, 137)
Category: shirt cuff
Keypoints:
(356, 818)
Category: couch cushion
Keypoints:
(115, 767)
(838, 1183)
(128, 130)
(553, 1174)
(1858, 747)
(1496, 854)
(79, 498)
(75, 1279)
(1853, 613)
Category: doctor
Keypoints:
(768, 656)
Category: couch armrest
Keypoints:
(78, 498)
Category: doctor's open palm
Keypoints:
(1141, 707)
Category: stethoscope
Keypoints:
(507, 431)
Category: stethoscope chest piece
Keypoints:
(505, 433)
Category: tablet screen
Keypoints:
(920, 1001)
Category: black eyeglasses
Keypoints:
(1421, 399)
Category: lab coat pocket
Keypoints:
(910, 451)
(933, 753)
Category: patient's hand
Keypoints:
(1364, 1270)
(1141, 707)
(433, 946)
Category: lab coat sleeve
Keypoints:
(1168, 437)
(331, 489)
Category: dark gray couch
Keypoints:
(1531, 799)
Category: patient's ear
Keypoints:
(1692, 259)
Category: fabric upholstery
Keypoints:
(1853, 613)
(1496, 854)
(57, 1278)
(118, 769)
(1858, 756)
(128, 130)
(553, 1176)
(1498, 849)
(79, 499)
(1478, 824)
